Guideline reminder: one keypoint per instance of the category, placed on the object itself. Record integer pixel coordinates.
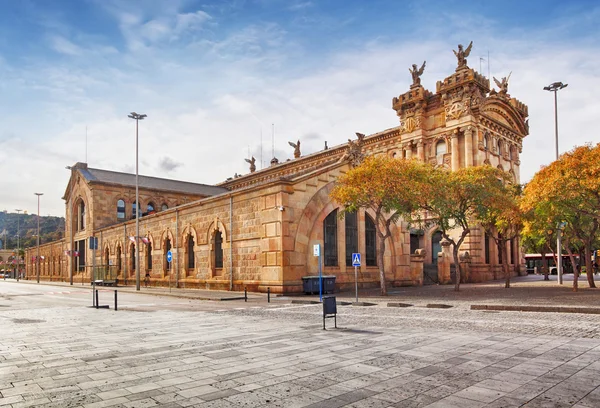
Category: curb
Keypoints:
(547, 309)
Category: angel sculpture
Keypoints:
(296, 147)
(463, 54)
(502, 84)
(416, 73)
(252, 165)
(361, 137)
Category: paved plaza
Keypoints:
(172, 349)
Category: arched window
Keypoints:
(106, 258)
(351, 221)
(440, 147)
(370, 241)
(164, 207)
(149, 256)
(119, 263)
(510, 153)
(330, 239)
(486, 141)
(436, 247)
(218, 250)
(150, 207)
(134, 209)
(132, 257)
(80, 216)
(499, 147)
(191, 259)
(167, 264)
(121, 209)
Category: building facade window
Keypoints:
(167, 247)
(164, 207)
(191, 259)
(330, 252)
(134, 209)
(132, 257)
(440, 148)
(119, 262)
(218, 250)
(80, 216)
(351, 221)
(121, 209)
(106, 258)
(149, 256)
(370, 241)
(436, 247)
(150, 207)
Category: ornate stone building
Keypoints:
(257, 230)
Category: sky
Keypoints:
(220, 79)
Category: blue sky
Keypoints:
(213, 76)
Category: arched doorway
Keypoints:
(435, 246)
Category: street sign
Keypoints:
(355, 259)
(317, 250)
(169, 256)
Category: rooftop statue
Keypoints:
(252, 165)
(416, 73)
(502, 84)
(462, 55)
(296, 147)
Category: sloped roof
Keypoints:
(151, 183)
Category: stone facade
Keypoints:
(258, 230)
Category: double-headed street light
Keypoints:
(137, 117)
(37, 259)
(555, 87)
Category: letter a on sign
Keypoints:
(355, 259)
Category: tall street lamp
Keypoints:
(37, 259)
(137, 117)
(18, 242)
(555, 87)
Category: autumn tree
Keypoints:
(502, 218)
(569, 191)
(387, 187)
(455, 201)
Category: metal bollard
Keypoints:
(268, 295)
(245, 295)
(115, 300)
(96, 298)
(93, 298)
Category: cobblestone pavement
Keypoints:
(154, 352)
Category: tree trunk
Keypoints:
(545, 269)
(573, 265)
(380, 253)
(457, 268)
(588, 264)
(505, 266)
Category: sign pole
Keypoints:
(320, 279)
(356, 282)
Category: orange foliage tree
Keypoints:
(388, 188)
(568, 190)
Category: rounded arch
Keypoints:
(80, 213)
(163, 237)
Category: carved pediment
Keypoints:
(504, 114)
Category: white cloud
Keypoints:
(64, 46)
(209, 100)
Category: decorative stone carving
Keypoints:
(416, 74)
(252, 162)
(296, 147)
(503, 85)
(462, 55)
(354, 153)
(455, 110)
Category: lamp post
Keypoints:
(137, 117)
(37, 259)
(555, 87)
(18, 242)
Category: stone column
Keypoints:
(454, 146)
(469, 146)
(408, 148)
(465, 265)
(416, 266)
(444, 260)
(420, 150)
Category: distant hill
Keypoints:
(51, 229)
